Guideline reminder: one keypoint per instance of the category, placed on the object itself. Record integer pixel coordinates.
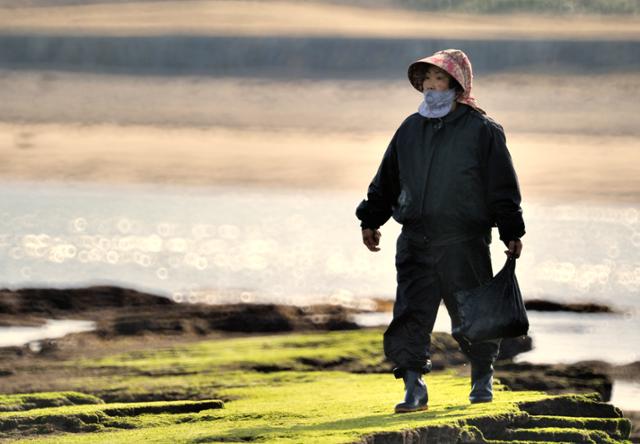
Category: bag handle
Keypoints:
(510, 265)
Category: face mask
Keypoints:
(437, 103)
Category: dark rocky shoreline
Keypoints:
(121, 312)
(546, 305)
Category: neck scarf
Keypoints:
(437, 104)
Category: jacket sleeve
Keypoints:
(383, 191)
(502, 188)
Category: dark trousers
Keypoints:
(427, 274)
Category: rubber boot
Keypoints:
(415, 397)
(481, 383)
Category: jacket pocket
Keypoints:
(405, 209)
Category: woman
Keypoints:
(447, 177)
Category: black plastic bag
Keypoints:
(492, 310)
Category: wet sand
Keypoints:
(570, 166)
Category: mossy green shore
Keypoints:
(282, 389)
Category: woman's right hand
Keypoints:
(371, 238)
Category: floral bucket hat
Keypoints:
(453, 61)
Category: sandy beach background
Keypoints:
(566, 139)
(572, 129)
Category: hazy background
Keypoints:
(307, 94)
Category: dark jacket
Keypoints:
(448, 180)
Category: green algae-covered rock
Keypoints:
(307, 403)
(28, 401)
(573, 406)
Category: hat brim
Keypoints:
(416, 73)
(418, 69)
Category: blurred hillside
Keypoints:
(469, 6)
(517, 6)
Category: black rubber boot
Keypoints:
(481, 383)
(415, 397)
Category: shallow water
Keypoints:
(561, 337)
(626, 395)
(571, 337)
(54, 328)
(222, 244)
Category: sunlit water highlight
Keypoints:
(626, 395)
(54, 328)
(293, 246)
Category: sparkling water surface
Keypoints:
(230, 244)
(296, 246)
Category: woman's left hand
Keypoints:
(514, 248)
